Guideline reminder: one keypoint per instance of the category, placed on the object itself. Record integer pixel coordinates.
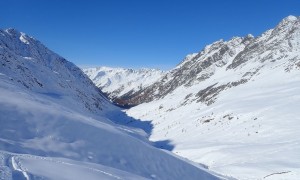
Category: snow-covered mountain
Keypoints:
(233, 106)
(119, 83)
(27, 63)
(55, 124)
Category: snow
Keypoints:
(23, 38)
(253, 131)
(56, 124)
(250, 131)
(32, 124)
(16, 167)
(119, 81)
(60, 168)
(291, 18)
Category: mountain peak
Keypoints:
(290, 18)
(249, 36)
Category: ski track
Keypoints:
(11, 165)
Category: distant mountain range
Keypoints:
(233, 106)
(119, 83)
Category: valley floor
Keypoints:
(249, 136)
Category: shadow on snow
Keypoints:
(123, 119)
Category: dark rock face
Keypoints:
(209, 94)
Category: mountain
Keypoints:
(119, 83)
(27, 63)
(55, 124)
(234, 106)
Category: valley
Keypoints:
(229, 111)
(233, 106)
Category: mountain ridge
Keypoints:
(233, 106)
(211, 57)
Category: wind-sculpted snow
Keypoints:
(55, 124)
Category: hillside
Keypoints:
(233, 106)
(55, 124)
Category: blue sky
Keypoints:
(139, 33)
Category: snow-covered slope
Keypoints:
(234, 106)
(119, 83)
(54, 123)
